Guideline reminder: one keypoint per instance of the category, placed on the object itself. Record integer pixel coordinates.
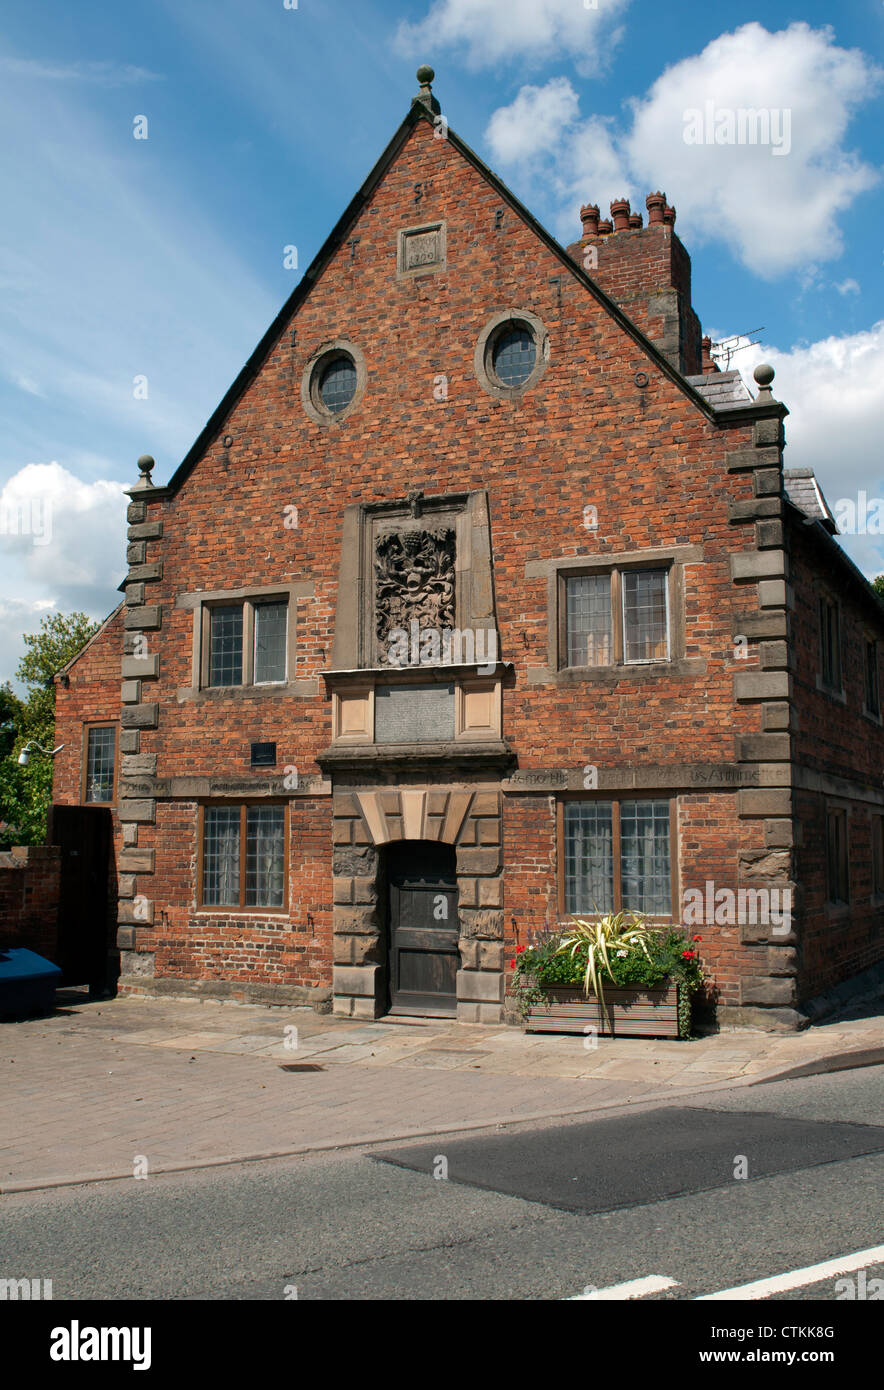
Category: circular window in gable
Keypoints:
(512, 354)
(333, 382)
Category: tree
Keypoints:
(878, 584)
(25, 792)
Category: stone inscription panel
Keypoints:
(414, 713)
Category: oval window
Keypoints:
(337, 385)
(514, 355)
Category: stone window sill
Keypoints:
(610, 675)
(839, 696)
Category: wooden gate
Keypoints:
(85, 836)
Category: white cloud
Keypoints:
(558, 159)
(25, 383)
(103, 74)
(848, 287)
(534, 123)
(833, 391)
(62, 541)
(535, 31)
(776, 212)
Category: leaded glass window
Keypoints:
(645, 868)
(221, 855)
(265, 856)
(589, 620)
(100, 759)
(244, 856)
(589, 856)
(645, 617)
(225, 645)
(337, 385)
(271, 620)
(617, 856)
(514, 355)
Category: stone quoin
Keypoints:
(299, 819)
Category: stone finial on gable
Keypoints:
(425, 75)
(764, 375)
(145, 465)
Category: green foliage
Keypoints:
(25, 792)
(637, 958)
(623, 933)
(878, 584)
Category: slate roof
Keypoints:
(804, 492)
(721, 389)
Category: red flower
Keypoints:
(512, 965)
(520, 949)
(689, 955)
(696, 938)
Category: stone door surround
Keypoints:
(366, 819)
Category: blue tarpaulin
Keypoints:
(27, 982)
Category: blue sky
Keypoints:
(162, 258)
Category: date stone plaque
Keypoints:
(414, 713)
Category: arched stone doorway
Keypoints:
(421, 928)
(368, 821)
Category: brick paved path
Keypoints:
(185, 1082)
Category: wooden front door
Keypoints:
(423, 929)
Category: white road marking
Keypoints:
(633, 1288)
(798, 1278)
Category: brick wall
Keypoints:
(29, 884)
(647, 272)
(842, 750)
(90, 693)
(649, 460)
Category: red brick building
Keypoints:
(483, 598)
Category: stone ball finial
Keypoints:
(425, 74)
(764, 375)
(145, 465)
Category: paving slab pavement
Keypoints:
(191, 1083)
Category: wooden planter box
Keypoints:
(650, 1013)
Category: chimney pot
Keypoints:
(620, 214)
(669, 216)
(707, 362)
(655, 203)
(635, 221)
(605, 227)
(589, 216)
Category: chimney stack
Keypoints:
(647, 272)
